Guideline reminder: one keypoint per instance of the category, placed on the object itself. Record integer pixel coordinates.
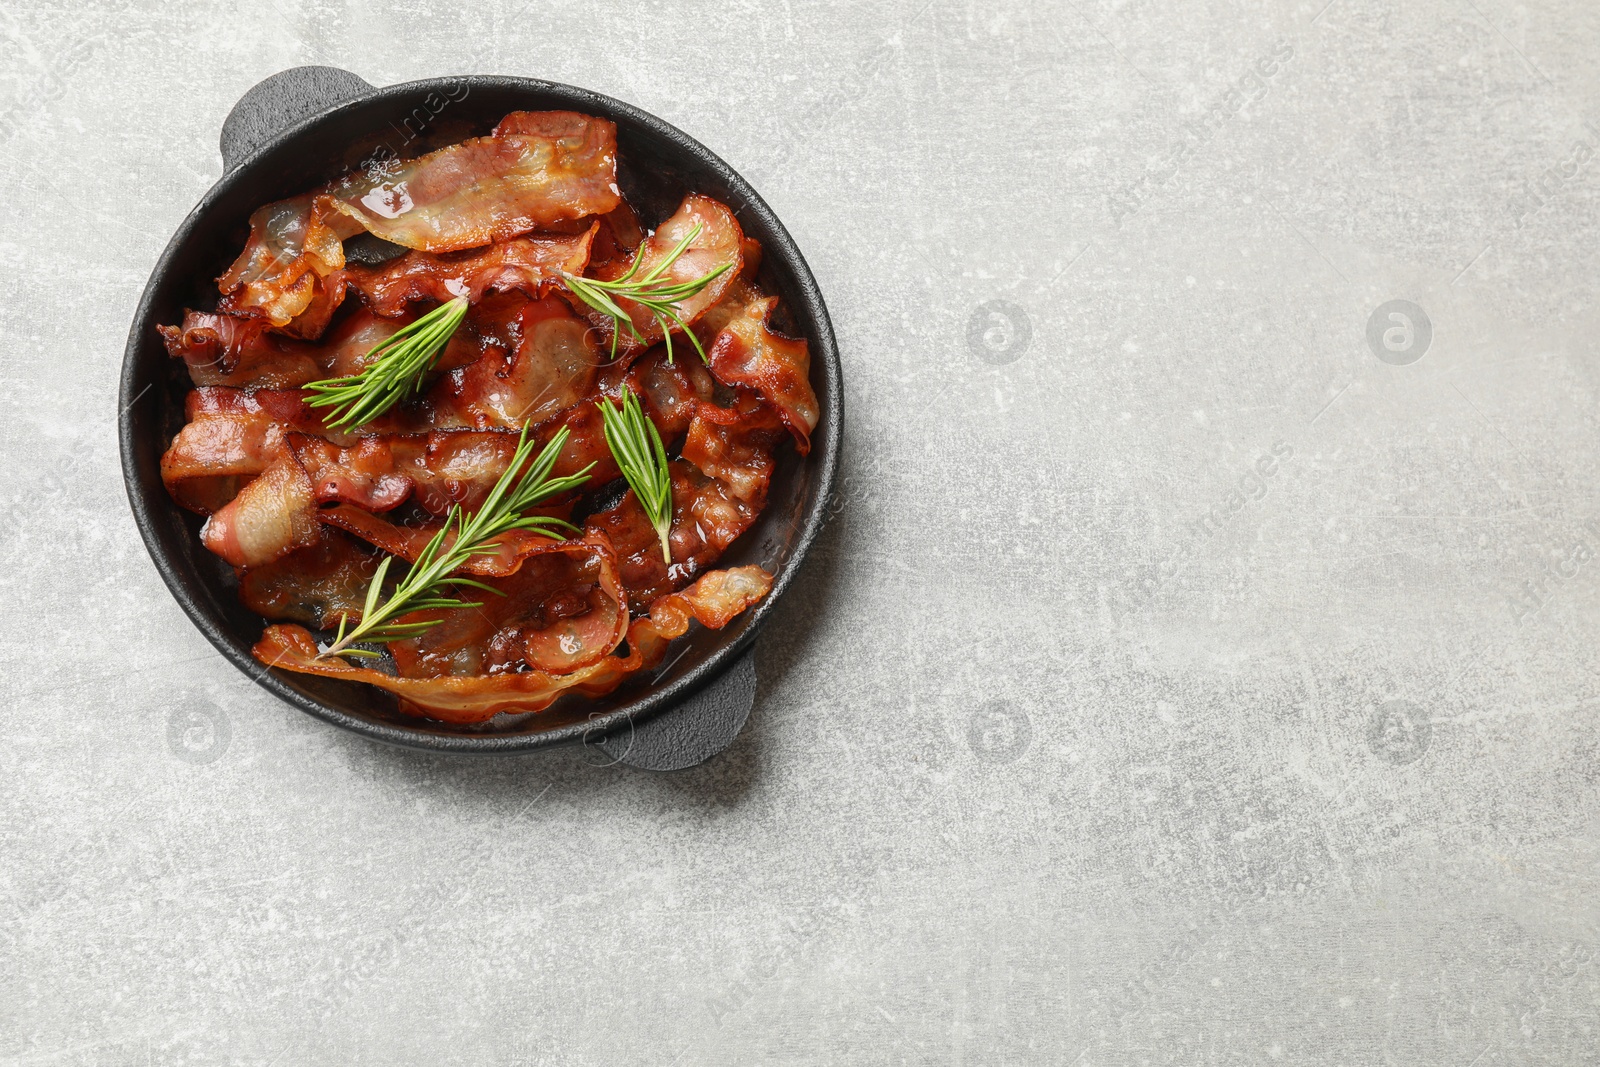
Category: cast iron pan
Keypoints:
(301, 128)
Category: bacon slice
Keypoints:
(234, 349)
(749, 354)
(715, 600)
(531, 265)
(314, 585)
(230, 350)
(270, 517)
(292, 243)
(551, 365)
(734, 447)
(670, 392)
(228, 440)
(719, 244)
(536, 169)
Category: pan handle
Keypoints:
(697, 728)
(280, 101)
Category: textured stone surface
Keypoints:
(1063, 752)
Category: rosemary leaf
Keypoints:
(659, 298)
(432, 574)
(393, 371)
(637, 448)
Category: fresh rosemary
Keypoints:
(393, 371)
(636, 446)
(461, 538)
(650, 292)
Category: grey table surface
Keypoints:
(1200, 667)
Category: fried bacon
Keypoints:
(748, 353)
(714, 601)
(229, 350)
(670, 392)
(228, 440)
(314, 585)
(292, 243)
(536, 169)
(271, 516)
(528, 264)
(304, 513)
(550, 365)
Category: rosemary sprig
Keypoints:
(636, 446)
(649, 292)
(394, 369)
(423, 587)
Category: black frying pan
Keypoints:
(303, 127)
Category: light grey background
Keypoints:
(1019, 788)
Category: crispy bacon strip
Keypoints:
(230, 350)
(228, 440)
(715, 600)
(314, 585)
(554, 368)
(734, 447)
(528, 264)
(748, 353)
(536, 169)
(671, 392)
(292, 243)
(552, 364)
(270, 517)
